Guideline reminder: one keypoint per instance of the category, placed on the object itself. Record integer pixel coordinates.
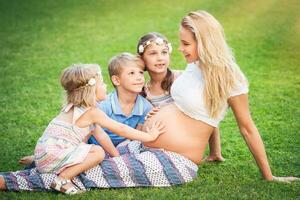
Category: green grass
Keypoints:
(40, 38)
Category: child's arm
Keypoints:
(105, 142)
(100, 118)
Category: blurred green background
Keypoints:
(40, 38)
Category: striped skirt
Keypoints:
(138, 166)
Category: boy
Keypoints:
(124, 104)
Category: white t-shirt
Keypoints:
(188, 94)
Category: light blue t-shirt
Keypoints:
(111, 107)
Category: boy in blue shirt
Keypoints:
(124, 104)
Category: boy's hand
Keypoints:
(287, 179)
(152, 113)
(155, 130)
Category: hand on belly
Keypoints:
(175, 128)
(183, 134)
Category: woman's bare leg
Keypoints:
(2, 183)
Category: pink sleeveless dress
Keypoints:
(61, 144)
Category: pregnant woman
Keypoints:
(211, 82)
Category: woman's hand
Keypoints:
(152, 113)
(155, 130)
(287, 179)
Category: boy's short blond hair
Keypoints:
(118, 62)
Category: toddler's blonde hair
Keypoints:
(75, 80)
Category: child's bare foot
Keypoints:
(213, 158)
(26, 160)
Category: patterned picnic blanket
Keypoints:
(138, 166)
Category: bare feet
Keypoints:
(2, 183)
(26, 160)
(213, 158)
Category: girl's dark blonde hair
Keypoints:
(75, 80)
(169, 78)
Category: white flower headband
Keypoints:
(158, 41)
(91, 82)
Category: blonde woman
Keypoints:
(211, 82)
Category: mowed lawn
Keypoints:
(40, 38)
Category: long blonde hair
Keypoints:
(76, 81)
(221, 72)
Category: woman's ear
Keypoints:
(115, 80)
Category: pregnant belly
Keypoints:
(183, 134)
